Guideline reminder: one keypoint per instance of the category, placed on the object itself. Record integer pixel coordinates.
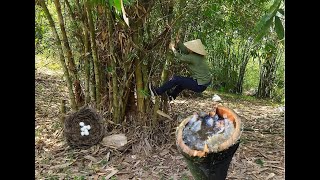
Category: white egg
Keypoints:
(86, 132)
(225, 116)
(83, 129)
(88, 127)
(82, 133)
(81, 124)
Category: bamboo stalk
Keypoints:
(94, 53)
(62, 59)
(87, 50)
(71, 63)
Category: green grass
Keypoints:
(57, 125)
(184, 176)
(113, 178)
(259, 161)
(79, 178)
(243, 140)
(53, 177)
(71, 155)
(104, 162)
(44, 62)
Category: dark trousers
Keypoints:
(179, 83)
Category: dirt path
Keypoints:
(260, 154)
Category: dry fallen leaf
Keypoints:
(263, 132)
(90, 158)
(270, 176)
(164, 114)
(95, 177)
(164, 152)
(107, 156)
(113, 172)
(59, 166)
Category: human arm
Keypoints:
(184, 56)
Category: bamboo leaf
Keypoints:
(111, 4)
(109, 69)
(60, 166)
(265, 22)
(90, 158)
(127, 2)
(263, 31)
(164, 114)
(97, 2)
(144, 93)
(279, 28)
(124, 14)
(113, 172)
(117, 5)
(281, 11)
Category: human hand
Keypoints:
(171, 46)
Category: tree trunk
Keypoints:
(245, 59)
(116, 115)
(70, 10)
(138, 70)
(241, 75)
(139, 86)
(145, 78)
(103, 51)
(93, 90)
(87, 64)
(130, 105)
(77, 33)
(267, 77)
(62, 60)
(94, 54)
(72, 66)
(87, 55)
(85, 44)
(110, 47)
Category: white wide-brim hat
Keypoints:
(196, 46)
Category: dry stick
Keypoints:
(274, 166)
(258, 151)
(262, 131)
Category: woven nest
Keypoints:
(231, 115)
(72, 130)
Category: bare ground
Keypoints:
(260, 154)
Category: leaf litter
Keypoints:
(260, 154)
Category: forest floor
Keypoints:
(259, 156)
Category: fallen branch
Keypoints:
(274, 166)
(261, 131)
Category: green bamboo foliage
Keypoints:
(69, 55)
(86, 49)
(61, 56)
(96, 64)
(115, 59)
